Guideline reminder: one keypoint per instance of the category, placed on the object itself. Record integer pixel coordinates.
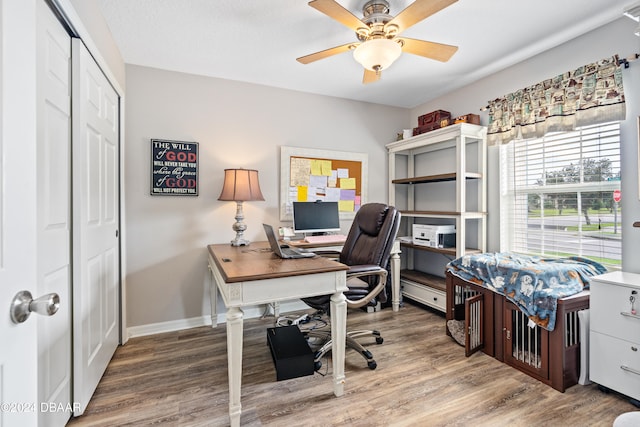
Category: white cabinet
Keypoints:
(438, 178)
(614, 335)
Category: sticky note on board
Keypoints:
(345, 205)
(348, 195)
(302, 193)
(348, 183)
(316, 167)
(325, 167)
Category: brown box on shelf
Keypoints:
(434, 117)
(431, 126)
(468, 118)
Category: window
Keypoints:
(560, 194)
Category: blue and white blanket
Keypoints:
(532, 283)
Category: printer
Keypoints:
(434, 236)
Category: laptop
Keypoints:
(284, 251)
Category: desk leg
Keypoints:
(338, 337)
(395, 281)
(213, 299)
(234, 360)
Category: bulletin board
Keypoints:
(308, 175)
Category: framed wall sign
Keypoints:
(308, 175)
(174, 168)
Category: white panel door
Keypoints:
(18, 204)
(54, 216)
(96, 253)
(35, 360)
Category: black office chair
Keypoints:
(366, 251)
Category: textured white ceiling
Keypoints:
(258, 41)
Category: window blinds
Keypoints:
(557, 194)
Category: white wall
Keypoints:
(614, 38)
(236, 125)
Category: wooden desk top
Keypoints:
(256, 262)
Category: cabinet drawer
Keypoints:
(615, 363)
(610, 311)
(424, 294)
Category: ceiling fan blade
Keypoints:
(416, 12)
(339, 13)
(370, 76)
(438, 51)
(326, 53)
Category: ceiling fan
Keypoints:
(379, 43)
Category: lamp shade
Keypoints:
(240, 185)
(377, 54)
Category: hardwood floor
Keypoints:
(422, 379)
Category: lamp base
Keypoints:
(239, 227)
(240, 242)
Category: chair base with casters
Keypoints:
(358, 296)
(351, 343)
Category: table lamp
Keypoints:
(240, 185)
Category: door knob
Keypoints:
(23, 305)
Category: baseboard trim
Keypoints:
(195, 322)
(170, 326)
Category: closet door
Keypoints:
(53, 112)
(35, 359)
(96, 250)
(35, 214)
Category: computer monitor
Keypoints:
(315, 217)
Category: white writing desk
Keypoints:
(253, 275)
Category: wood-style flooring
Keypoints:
(422, 379)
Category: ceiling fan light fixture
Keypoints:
(377, 54)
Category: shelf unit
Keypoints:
(422, 170)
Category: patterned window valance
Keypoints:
(589, 95)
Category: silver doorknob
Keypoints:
(23, 305)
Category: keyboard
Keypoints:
(292, 253)
(326, 238)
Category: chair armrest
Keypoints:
(367, 270)
(370, 269)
